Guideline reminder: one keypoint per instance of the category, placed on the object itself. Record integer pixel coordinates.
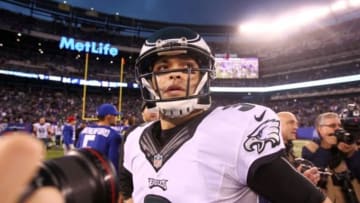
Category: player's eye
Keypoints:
(160, 67)
(190, 65)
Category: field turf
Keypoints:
(58, 152)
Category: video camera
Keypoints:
(350, 120)
(83, 175)
(344, 136)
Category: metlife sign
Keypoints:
(90, 47)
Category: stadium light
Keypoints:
(282, 24)
(98, 83)
(339, 6)
(302, 17)
(253, 27)
(298, 85)
(354, 3)
(296, 19)
(318, 12)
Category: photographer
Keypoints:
(337, 151)
(350, 119)
(289, 126)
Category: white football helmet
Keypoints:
(174, 41)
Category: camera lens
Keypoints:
(82, 176)
(344, 136)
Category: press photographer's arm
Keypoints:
(351, 158)
(20, 155)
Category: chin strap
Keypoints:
(201, 83)
(149, 88)
(175, 109)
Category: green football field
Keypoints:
(298, 144)
(54, 153)
(58, 152)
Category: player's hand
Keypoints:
(20, 155)
(313, 175)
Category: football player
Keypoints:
(43, 131)
(198, 153)
(101, 136)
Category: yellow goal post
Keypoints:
(84, 96)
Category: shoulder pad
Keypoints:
(240, 106)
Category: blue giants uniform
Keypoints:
(102, 138)
(68, 134)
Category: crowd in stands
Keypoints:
(309, 55)
(21, 104)
(305, 108)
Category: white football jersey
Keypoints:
(207, 159)
(41, 131)
(58, 130)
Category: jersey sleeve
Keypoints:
(272, 179)
(260, 138)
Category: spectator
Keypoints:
(289, 126)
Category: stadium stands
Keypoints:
(30, 44)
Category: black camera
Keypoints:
(83, 175)
(306, 164)
(344, 181)
(344, 136)
(350, 120)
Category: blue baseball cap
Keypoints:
(106, 109)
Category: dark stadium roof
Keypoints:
(203, 12)
(196, 12)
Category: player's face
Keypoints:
(289, 126)
(42, 120)
(175, 84)
(327, 128)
